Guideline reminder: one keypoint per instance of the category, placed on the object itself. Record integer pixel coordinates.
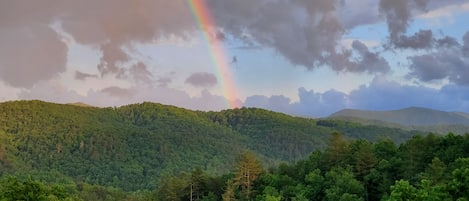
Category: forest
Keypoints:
(151, 151)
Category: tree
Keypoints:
(248, 168)
(342, 186)
(197, 182)
(435, 171)
(314, 185)
(459, 185)
(337, 151)
(402, 190)
(229, 194)
(364, 158)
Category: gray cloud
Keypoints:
(29, 54)
(465, 47)
(116, 96)
(29, 44)
(83, 76)
(163, 81)
(302, 31)
(398, 14)
(310, 103)
(352, 15)
(202, 79)
(420, 40)
(117, 92)
(447, 62)
(141, 74)
(369, 61)
(305, 32)
(446, 42)
(380, 94)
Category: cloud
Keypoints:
(202, 79)
(465, 47)
(383, 94)
(352, 15)
(29, 54)
(449, 62)
(141, 74)
(310, 104)
(420, 40)
(444, 9)
(369, 61)
(32, 51)
(380, 94)
(83, 76)
(53, 91)
(304, 32)
(307, 33)
(163, 81)
(117, 92)
(398, 14)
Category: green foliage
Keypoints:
(132, 146)
(361, 170)
(150, 151)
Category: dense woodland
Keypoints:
(154, 152)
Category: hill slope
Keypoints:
(132, 147)
(412, 116)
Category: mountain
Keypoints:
(134, 146)
(412, 116)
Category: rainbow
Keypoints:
(217, 51)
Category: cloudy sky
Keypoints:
(301, 57)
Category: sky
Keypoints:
(301, 57)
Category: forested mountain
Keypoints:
(130, 147)
(423, 168)
(136, 147)
(412, 116)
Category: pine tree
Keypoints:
(248, 168)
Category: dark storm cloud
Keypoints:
(202, 79)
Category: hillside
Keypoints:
(412, 116)
(132, 147)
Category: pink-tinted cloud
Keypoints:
(202, 79)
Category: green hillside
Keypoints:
(410, 119)
(412, 116)
(133, 147)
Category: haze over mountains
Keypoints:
(412, 116)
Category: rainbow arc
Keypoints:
(205, 22)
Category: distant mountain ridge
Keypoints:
(412, 116)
